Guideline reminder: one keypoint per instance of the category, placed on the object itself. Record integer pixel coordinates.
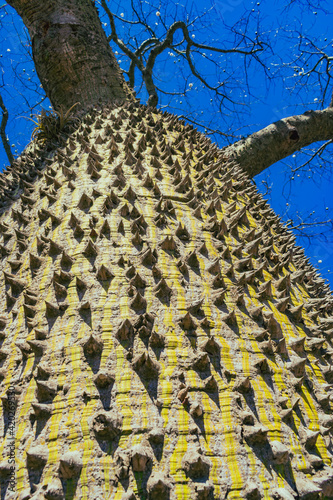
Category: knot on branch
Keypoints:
(293, 134)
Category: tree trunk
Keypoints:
(161, 330)
(73, 59)
(162, 336)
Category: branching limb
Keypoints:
(114, 37)
(208, 130)
(281, 139)
(318, 152)
(312, 66)
(144, 57)
(302, 225)
(310, 228)
(4, 139)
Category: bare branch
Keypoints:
(302, 225)
(281, 139)
(3, 135)
(318, 152)
(156, 47)
(168, 42)
(310, 227)
(312, 65)
(114, 37)
(208, 130)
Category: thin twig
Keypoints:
(316, 153)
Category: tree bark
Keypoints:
(158, 324)
(72, 56)
(281, 139)
(161, 336)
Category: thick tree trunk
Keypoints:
(281, 139)
(73, 59)
(162, 337)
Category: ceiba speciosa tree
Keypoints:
(161, 334)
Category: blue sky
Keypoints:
(277, 87)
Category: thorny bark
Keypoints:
(72, 56)
(281, 139)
